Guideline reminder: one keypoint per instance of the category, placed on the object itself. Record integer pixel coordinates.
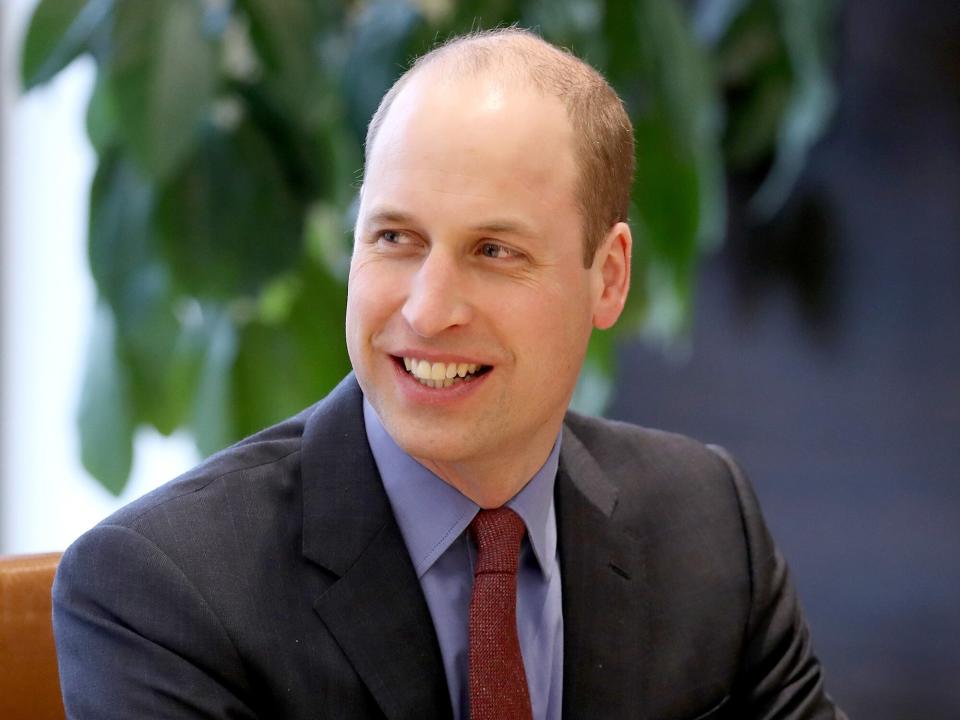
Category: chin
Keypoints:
(441, 450)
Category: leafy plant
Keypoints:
(228, 136)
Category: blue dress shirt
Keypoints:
(433, 517)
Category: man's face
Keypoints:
(468, 256)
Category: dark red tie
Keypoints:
(498, 683)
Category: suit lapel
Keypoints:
(375, 609)
(604, 586)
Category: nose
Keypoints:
(437, 298)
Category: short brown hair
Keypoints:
(603, 135)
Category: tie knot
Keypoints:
(497, 534)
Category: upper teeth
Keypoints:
(438, 370)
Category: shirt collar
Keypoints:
(432, 514)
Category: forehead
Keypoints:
(480, 135)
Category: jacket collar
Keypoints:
(603, 582)
(375, 609)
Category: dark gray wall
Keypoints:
(826, 356)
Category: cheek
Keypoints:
(353, 330)
(554, 325)
(361, 307)
(566, 303)
(368, 288)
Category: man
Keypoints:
(324, 568)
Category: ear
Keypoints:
(611, 271)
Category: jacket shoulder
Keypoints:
(264, 457)
(656, 461)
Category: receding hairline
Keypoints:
(520, 54)
(511, 55)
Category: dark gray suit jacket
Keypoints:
(272, 582)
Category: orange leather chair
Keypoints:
(29, 683)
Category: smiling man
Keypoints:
(469, 254)
(439, 537)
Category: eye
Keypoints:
(391, 237)
(496, 251)
(395, 240)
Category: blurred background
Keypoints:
(798, 290)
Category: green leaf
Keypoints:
(163, 74)
(329, 242)
(711, 19)
(574, 24)
(678, 196)
(229, 222)
(482, 15)
(103, 120)
(316, 322)
(167, 380)
(306, 348)
(667, 193)
(757, 76)
(669, 301)
(595, 383)
(162, 352)
(807, 28)
(308, 157)
(121, 204)
(159, 349)
(214, 416)
(105, 415)
(59, 31)
(379, 49)
(755, 123)
(165, 358)
(284, 33)
(774, 61)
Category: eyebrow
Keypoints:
(507, 226)
(495, 225)
(390, 216)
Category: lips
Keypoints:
(442, 374)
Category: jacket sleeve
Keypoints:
(135, 639)
(779, 677)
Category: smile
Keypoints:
(443, 375)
